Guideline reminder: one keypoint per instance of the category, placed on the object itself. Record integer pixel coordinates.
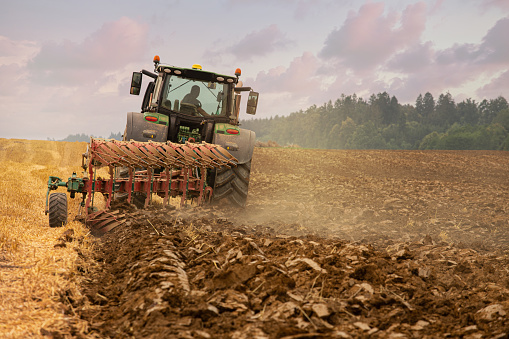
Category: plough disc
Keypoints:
(158, 160)
(134, 154)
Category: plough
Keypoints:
(136, 169)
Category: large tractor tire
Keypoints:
(57, 209)
(232, 184)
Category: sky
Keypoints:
(65, 65)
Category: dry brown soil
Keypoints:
(332, 244)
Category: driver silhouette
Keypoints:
(192, 97)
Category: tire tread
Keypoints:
(57, 209)
(233, 184)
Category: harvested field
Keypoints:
(33, 272)
(331, 244)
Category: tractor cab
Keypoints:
(190, 101)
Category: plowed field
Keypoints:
(332, 244)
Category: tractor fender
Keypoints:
(139, 129)
(241, 145)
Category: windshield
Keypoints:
(195, 97)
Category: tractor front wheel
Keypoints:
(57, 209)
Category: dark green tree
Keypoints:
(502, 118)
(468, 112)
(428, 103)
(489, 109)
(419, 107)
(445, 111)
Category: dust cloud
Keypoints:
(453, 196)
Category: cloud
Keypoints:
(458, 65)
(437, 6)
(413, 68)
(73, 87)
(421, 67)
(495, 45)
(502, 4)
(498, 86)
(287, 89)
(302, 70)
(13, 58)
(12, 77)
(16, 52)
(260, 43)
(414, 58)
(298, 9)
(112, 47)
(255, 44)
(492, 51)
(313, 9)
(370, 37)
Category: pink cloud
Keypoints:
(113, 46)
(419, 67)
(423, 68)
(288, 89)
(74, 81)
(298, 78)
(369, 37)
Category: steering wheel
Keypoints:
(188, 108)
(193, 110)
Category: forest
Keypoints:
(86, 138)
(382, 122)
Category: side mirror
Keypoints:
(136, 83)
(252, 103)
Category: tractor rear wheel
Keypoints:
(232, 183)
(57, 209)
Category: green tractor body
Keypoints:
(192, 105)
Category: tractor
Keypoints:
(192, 105)
(185, 141)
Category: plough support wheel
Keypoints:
(57, 209)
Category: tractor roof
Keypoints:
(198, 74)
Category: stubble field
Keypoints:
(331, 244)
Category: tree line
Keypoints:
(86, 138)
(382, 122)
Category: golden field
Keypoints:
(33, 273)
